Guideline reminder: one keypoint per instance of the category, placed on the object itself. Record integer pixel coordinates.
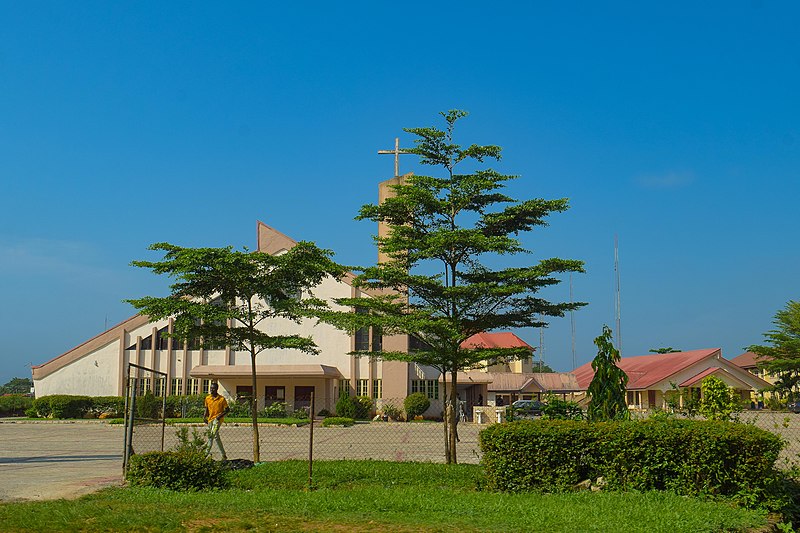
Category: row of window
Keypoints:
(428, 387)
(362, 388)
(193, 386)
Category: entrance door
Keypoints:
(274, 394)
(302, 397)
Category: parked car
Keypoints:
(794, 407)
(527, 408)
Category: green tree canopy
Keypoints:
(608, 386)
(781, 353)
(226, 297)
(17, 386)
(443, 283)
(667, 349)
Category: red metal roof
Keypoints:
(749, 360)
(501, 339)
(646, 370)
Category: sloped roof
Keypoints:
(500, 339)
(557, 381)
(241, 371)
(722, 373)
(646, 370)
(507, 381)
(474, 376)
(749, 360)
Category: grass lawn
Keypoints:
(368, 496)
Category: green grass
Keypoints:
(364, 496)
(228, 420)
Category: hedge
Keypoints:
(688, 457)
(14, 404)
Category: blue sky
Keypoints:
(671, 125)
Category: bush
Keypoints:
(276, 410)
(415, 404)
(62, 406)
(15, 404)
(338, 421)
(392, 411)
(107, 406)
(557, 409)
(240, 409)
(358, 408)
(149, 406)
(688, 457)
(324, 413)
(182, 470)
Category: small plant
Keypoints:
(554, 408)
(198, 442)
(324, 413)
(391, 411)
(301, 413)
(415, 404)
(357, 408)
(275, 410)
(338, 421)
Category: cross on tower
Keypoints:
(396, 153)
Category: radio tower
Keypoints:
(617, 305)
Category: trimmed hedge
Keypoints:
(415, 404)
(15, 404)
(688, 457)
(62, 406)
(181, 470)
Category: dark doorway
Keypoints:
(302, 397)
(273, 394)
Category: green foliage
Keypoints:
(781, 354)
(191, 406)
(62, 406)
(668, 349)
(107, 406)
(358, 407)
(300, 413)
(183, 470)
(338, 421)
(15, 404)
(240, 409)
(440, 283)
(719, 402)
(607, 388)
(149, 406)
(17, 386)
(197, 443)
(554, 408)
(324, 413)
(689, 457)
(391, 410)
(415, 404)
(275, 410)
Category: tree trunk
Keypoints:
(445, 419)
(453, 416)
(254, 407)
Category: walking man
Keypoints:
(216, 407)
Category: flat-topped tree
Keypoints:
(440, 283)
(223, 297)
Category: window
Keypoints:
(147, 343)
(163, 340)
(144, 385)
(362, 387)
(177, 386)
(161, 385)
(377, 339)
(244, 393)
(417, 345)
(193, 386)
(377, 388)
(274, 394)
(428, 387)
(206, 386)
(344, 387)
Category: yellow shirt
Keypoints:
(216, 407)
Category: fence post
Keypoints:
(311, 444)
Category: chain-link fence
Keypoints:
(145, 408)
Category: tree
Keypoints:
(224, 297)
(668, 349)
(440, 284)
(607, 389)
(781, 355)
(542, 368)
(719, 402)
(17, 386)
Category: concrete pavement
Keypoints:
(50, 460)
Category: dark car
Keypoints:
(527, 408)
(794, 407)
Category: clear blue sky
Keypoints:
(672, 125)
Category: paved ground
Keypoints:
(40, 461)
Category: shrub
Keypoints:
(415, 404)
(240, 409)
(555, 408)
(276, 410)
(197, 443)
(148, 406)
(358, 408)
(15, 404)
(107, 406)
(392, 411)
(62, 406)
(324, 413)
(183, 470)
(301, 413)
(688, 457)
(338, 421)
